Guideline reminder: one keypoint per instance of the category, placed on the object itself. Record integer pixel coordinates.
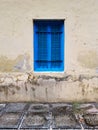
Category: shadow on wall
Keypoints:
(20, 63)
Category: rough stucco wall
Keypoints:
(81, 32)
(81, 50)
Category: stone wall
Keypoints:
(23, 87)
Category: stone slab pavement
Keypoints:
(39, 116)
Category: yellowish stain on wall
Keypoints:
(88, 59)
(11, 65)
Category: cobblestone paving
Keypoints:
(43, 116)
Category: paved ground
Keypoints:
(41, 116)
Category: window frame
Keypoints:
(61, 69)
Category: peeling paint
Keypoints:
(20, 63)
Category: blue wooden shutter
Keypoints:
(55, 47)
(48, 45)
(42, 46)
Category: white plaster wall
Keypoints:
(81, 30)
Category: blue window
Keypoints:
(48, 45)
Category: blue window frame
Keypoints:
(48, 45)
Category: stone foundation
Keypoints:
(27, 87)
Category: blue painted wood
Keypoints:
(48, 45)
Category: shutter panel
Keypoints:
(42, 46)
(56, 47)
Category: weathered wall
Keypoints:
(34, 88)
(81, 32)
(81, 50)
